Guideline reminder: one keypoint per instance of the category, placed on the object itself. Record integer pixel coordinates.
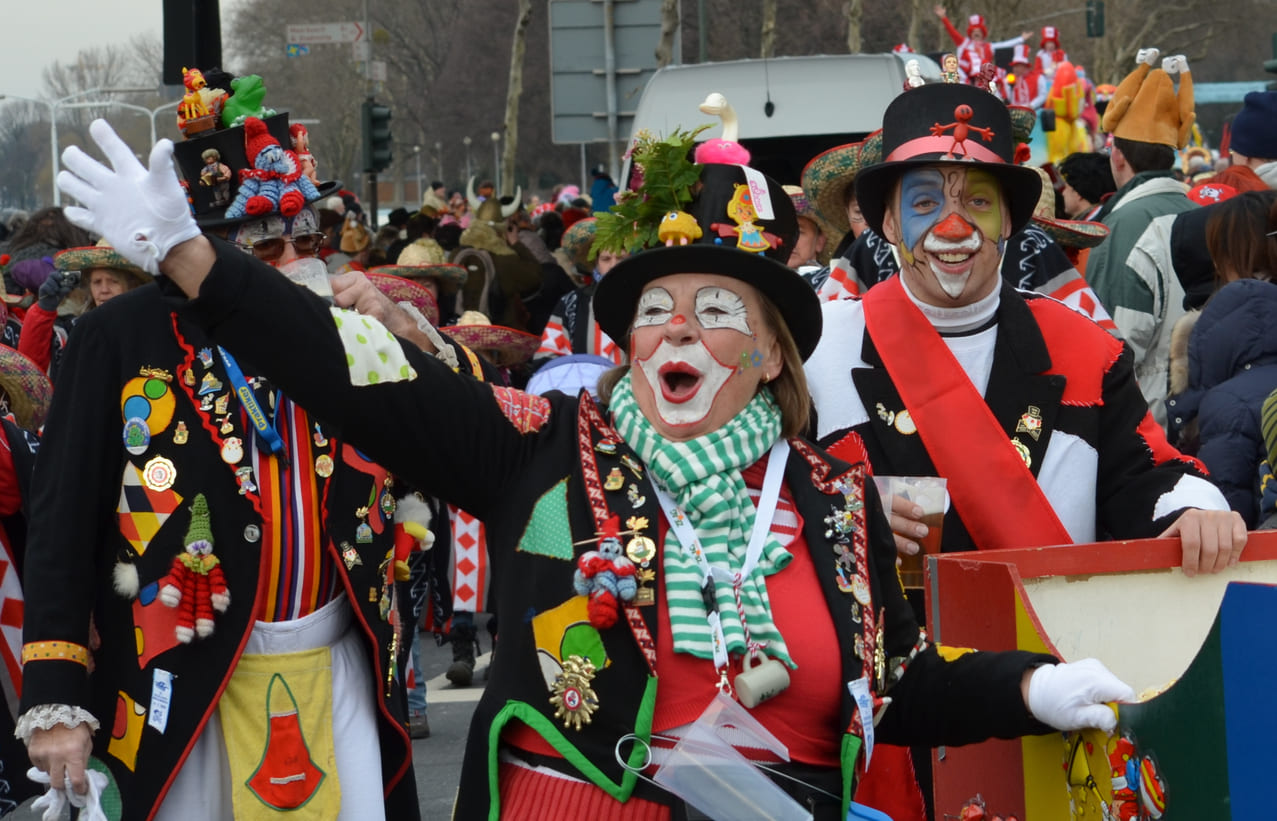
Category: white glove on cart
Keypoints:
(1075, 696)
(54, 802)
(142, 212)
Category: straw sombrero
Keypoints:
(101, 255)
(405, 290)
(27, 388)
(1068, 233)
(426, 259)
(475, 331)
(825, 180)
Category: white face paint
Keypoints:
(720, 308)
(685, 380)
(956, 253)
(655, 307)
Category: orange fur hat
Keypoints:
(1146, 107)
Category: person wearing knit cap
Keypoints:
(1088, 179)
(1254, 135)
(1149, 120)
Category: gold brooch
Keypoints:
(1030, 423)
(574, 699)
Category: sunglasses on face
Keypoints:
(269, 250)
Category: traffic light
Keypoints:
(377, 137)
(1094, 18)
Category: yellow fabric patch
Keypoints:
(55, 650)
(373, 354)
(953, 653)
(565, 631)
(277, 718)
(130, 718)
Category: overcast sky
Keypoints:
(38, 32)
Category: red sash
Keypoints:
(997, 497)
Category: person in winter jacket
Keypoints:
(1232, 367)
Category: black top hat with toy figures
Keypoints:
(237, 162)
(947, 123)
(729, 220)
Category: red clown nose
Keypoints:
(953, 228)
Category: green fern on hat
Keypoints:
(667, 178)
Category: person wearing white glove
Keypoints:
(1075, 696)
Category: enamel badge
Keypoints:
(1030, 423)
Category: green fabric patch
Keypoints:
(549, 532)
(552, 733)
(112, 803)
(848, 756)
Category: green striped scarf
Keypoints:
(703, 476)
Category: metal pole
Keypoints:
(416, 153)
(155, 112)
(466, 141)
(702, 36)
(585, 184)
(496, 162)
(439, 159)
(53, 142)
(609, 68)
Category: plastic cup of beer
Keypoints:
(928, 492)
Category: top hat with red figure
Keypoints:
(947, 123)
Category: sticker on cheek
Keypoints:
(655, 307)
(721, 308)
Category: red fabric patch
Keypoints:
(1162, 451)
(1081, 351)
(850, 449)
(527, 412)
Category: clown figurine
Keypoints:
(195, 584)
(606, 576)
(301, 147)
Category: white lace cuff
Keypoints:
(48, 716)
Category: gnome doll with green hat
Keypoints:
(196, 585)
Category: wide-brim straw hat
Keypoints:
(476, 332)
(825, 181)
(1069, 233)
(405, 290)
(102, 255)
(426, 259)
(27, 388)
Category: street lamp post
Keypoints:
(439, 159)
(416, 153)
(496, 160)
(466, 142)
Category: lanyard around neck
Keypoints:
(267, 436)
(691, 544)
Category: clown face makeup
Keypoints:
(950, 224)
(695, 360)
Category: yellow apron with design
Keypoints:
(277, 719)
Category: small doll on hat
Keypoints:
(217, 176)
(196, 585)
(275, 182)
(301, 147)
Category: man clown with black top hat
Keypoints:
(233, 553)
(947, 370)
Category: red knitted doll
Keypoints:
(195, 584)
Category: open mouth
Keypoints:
(951, 262)
(679, 381)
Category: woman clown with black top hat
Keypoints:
(680, 552)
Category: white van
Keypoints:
(789, 108)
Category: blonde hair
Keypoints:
(789, 387)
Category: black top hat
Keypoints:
(947, 123)
(719, 211)
(208, 198)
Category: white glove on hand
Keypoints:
(54, 802)
(1175, 65)
(1147, 55)
(1075, 696)
(143, 213)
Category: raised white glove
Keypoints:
(1175, 64)
(142, 212)
(54, 802)
(1147, 55)
(1075, 696)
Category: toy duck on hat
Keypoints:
(1146, 107)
